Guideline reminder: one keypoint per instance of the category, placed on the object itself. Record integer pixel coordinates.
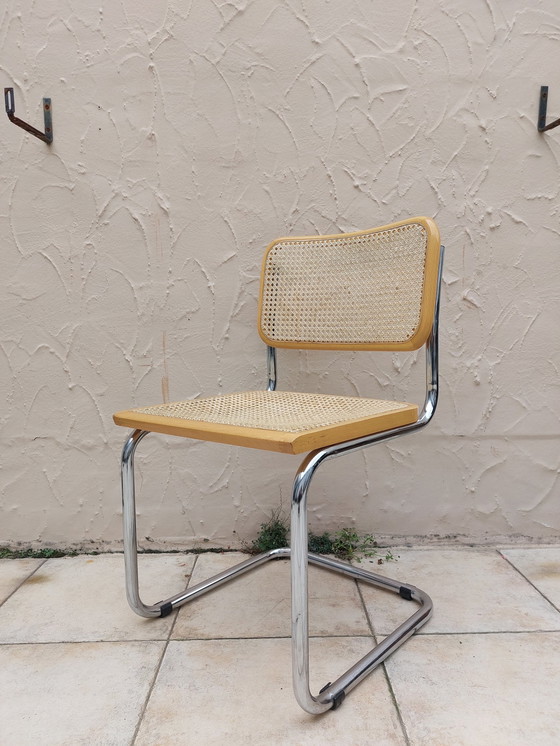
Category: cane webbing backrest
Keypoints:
(370, 290)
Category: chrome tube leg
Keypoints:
(299, 572)
(129, 527)
(333, 694)
(165, 607)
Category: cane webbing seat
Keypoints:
(368, 290)
(284, 421)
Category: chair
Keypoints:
(371, 290)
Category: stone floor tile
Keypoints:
(541, 566)
(258, 603)
(472, 591)
(83, 599)
(76, 694)
(239, 692)
(13, 572)
(479, 690)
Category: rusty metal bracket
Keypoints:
(47, 135)
(542, 126)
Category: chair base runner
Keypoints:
(332, 694)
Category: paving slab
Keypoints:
(74, 694)
(473, 590)
(217, 692)
(76, 599)
(13, 572)
(473, 690)
(541, 566)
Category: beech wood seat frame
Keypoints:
(332, 694)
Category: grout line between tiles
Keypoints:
(149, 694)
(158, 667)
(510, 563)
(271, 637)
(383, 667)
(25, 579)
(82, 642)
(395, 703)
(364, 608)
(276, 637)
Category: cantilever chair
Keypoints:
(371, 290)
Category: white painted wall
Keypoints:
(187, 135)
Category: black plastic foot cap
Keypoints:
(405, 593)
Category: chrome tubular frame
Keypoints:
(332, 694)
(271, 367)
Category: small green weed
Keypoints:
(349, 545)
(320, 543)
(346, 543)
(273, 535)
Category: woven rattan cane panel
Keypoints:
(363, 289)
(285, 411)
(272, 420)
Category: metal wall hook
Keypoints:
(47, 135)
(542, 126)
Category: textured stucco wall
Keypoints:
(190, 134)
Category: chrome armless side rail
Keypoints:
(333, 694)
